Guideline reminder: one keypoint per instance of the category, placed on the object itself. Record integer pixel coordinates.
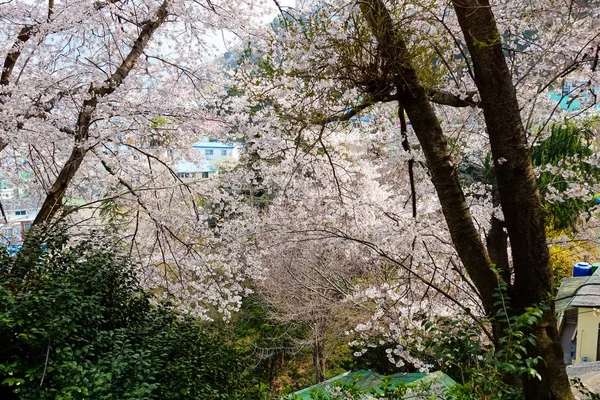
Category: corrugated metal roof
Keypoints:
(581, 291)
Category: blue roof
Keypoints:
(363, 118)
(213, 145)
(567, 103)
(14, 249)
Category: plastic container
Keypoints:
(595, 267)
(582, 269)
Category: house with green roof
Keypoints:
(369, 382)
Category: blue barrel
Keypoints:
(582, 269)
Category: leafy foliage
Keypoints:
(511, 358)
(565, 141)
(457, 349)
(512, 354)
(79, 326)
(481, 368)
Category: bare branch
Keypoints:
(452, 100)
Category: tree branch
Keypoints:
(470, 99)
(54, 197)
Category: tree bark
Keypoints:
(517, 185)
(419, 109)
(518, 189)
(318, 356)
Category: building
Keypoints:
(578, 317)
(576, 95)
(210, 156)
(19, 214)
(19, 207)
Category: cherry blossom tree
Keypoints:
(98, 100)
(402, 129)
(472, 80)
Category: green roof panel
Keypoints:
(369, 381)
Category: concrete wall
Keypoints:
(565, 341)
(587, 335)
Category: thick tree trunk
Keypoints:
(515, 178)
(419, 109)
(465, 236)
(518, 189)
(517, 185)
(53, 201)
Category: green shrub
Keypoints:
(77, 325)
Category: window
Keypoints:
(7, 232)
(209, 152)
(183, 174)
(26, 226)
(223, 152)
(205, 175)
(21, 212)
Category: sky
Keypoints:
(221, 38)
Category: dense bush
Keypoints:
(75, 324)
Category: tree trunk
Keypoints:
(318, 357)
(517, 185)
(518, 189)
(419, 109)
(53, 201)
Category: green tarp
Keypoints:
(369, 382)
